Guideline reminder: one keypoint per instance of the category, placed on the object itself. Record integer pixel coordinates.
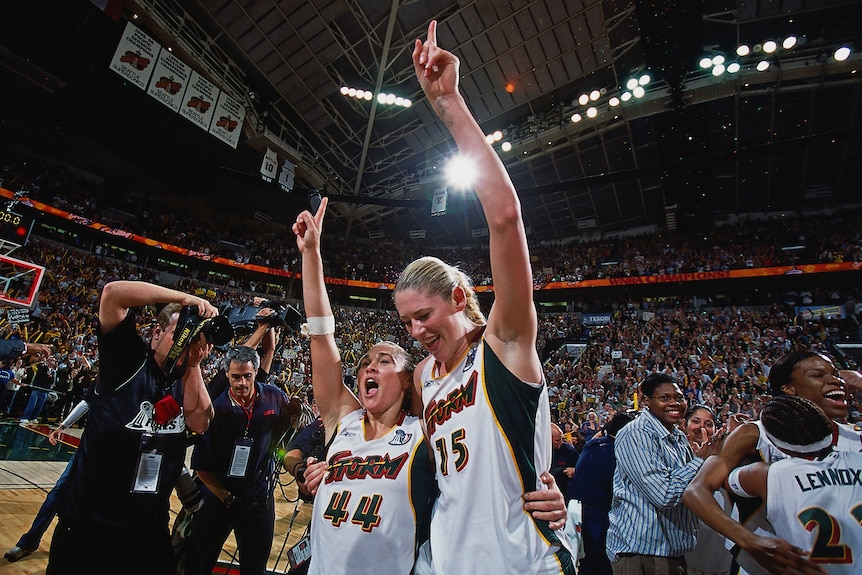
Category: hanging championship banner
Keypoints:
(135, 56)
(227, 120)
(197, 104)
(170, 78)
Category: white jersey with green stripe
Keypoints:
(490, 436)
(817, 506)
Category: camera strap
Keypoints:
(182, 339)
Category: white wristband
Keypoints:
(322, 325)
(735, 486)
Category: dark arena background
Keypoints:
(687, 169)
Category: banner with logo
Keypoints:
(135, 57)
(603, 318)
(170, 78)
(143, 62)
(812, 311)
(197, 105)
(227, 120)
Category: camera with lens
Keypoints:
(244, 318)
(317, 451)
(217, 331)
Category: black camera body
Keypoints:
(244, 318)
(317, 451)
(217, 331)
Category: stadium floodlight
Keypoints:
(770, 46)
(743, 50)
(841, 53)
(789, 42)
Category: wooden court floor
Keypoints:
(29, 467)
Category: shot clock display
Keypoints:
(14, 227)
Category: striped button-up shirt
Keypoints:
(654, 466)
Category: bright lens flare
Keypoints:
(460, 172)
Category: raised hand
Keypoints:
(436, 68)
(309, 227)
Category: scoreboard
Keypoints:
(15, 227)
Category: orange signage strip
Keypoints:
(604, 282)
(701, 276)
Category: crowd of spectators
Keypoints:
(742, 242)
(721, 354)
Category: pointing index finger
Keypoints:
(432, 32)
(318, 217)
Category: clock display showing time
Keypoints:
(15, 227)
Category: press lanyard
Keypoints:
(242, 446)
(248, 410)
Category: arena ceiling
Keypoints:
(695, 148)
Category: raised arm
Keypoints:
(119, 296)
(333, 398)
(512, 323)
(713, 474)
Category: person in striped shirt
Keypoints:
(650, 530)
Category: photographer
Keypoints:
(128, 461)
(307, 443)
(235, 461)
(258, 323)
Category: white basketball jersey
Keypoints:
(372, 505)
(751, 514)
(490, 435)
(817, 506)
